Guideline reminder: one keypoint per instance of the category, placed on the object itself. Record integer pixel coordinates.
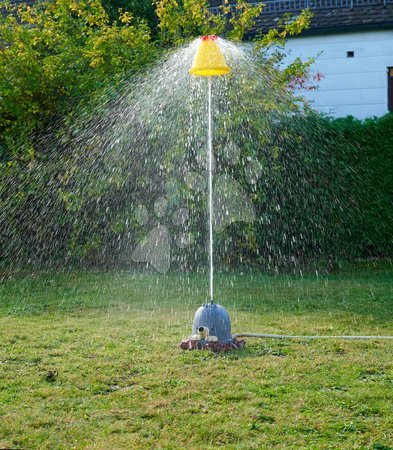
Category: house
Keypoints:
(352, 41)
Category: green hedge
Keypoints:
(326, 194)
(374, 161)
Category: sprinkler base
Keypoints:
(191, 344)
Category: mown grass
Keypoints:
(90, 360)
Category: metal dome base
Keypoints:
(216, 320)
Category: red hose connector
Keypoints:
(209, 37)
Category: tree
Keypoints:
(58, 51)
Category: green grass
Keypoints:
(91, 360)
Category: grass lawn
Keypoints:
(91, 360)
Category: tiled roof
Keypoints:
(338, 19)
(328, 15)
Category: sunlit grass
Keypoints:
(91, 360)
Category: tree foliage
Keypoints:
(61, 50)
(54, 52)
(143, 9)
(181, 20)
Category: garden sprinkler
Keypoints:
(209, 61)
(211, 328)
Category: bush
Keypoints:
(331, 197)
(57, 53)
(372, 141)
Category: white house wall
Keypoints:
(350, 86)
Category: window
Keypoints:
(390, 88)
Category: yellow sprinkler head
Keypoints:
(209, 60)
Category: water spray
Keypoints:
(209, 62)
(211, 328)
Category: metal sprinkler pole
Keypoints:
(210, 181)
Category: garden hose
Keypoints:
(284, 336)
